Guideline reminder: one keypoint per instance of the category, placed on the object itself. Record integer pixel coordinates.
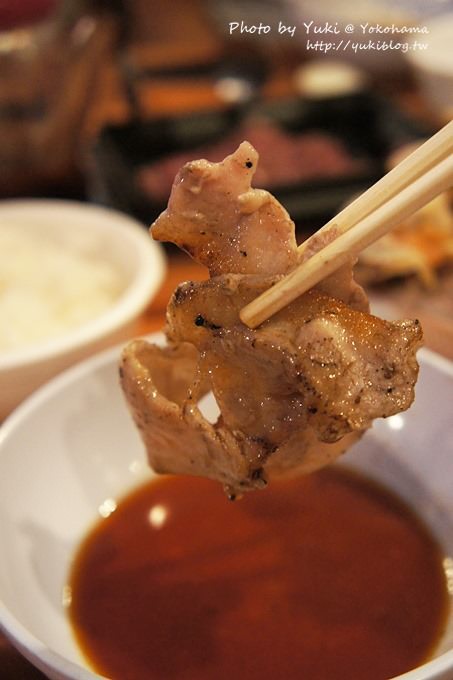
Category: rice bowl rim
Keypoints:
(149, 271)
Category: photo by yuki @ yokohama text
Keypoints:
(336, 37)
(364, 37)
(260, 29)
(363, 29)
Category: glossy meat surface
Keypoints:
(317, 360)
(162, 386)
(215, 215)
(294, 393)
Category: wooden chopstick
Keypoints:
(348, 244)
(436, 148)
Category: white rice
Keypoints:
(47, 287)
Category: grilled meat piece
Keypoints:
(294, 393)
(215, 216)
(288, 391)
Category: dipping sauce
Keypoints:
(323, 577)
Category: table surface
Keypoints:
(433, 308)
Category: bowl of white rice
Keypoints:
(74, 278)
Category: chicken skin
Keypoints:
(294, 393)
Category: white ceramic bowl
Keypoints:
(117, 239)
(72, 445)
(343, 13)
(433, 67)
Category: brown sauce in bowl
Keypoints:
(328, 577)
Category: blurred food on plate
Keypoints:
(285, 158)
(420, 245)
(316, 153)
